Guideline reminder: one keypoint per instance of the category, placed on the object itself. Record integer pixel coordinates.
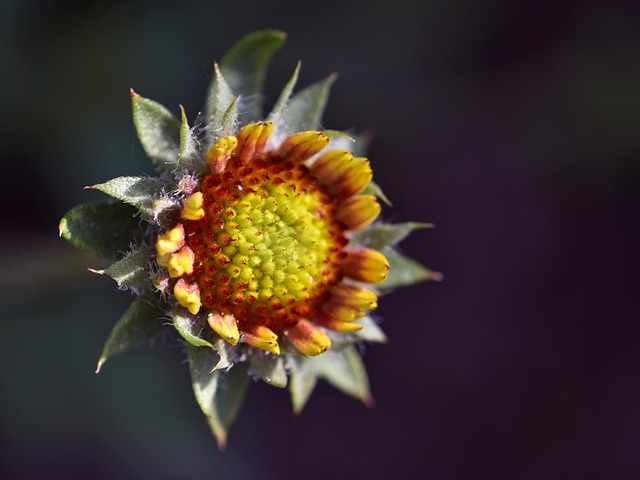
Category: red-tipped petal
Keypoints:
(301, 146)
(308, 339)
(359, 211)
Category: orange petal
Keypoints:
(308, 339)
(218, 155)
(170, 241)
(342, 311)
(263, 338)
(187, 295)
(337, 325)
(225, 326)
(344, 174)
(355, 296)
(366, 265)
(359, 211)
(252, 139)
(301, 146)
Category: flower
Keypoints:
(259, 240)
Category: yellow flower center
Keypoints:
(268, 247)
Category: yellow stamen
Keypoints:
(192, 207)
(170, 241)
(187, 295)
(225, 326)
(308, 339)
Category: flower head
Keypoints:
(258, 239)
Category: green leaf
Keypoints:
(226, 355)
(136, 191)
(105, 229)
(371, 332)
(269, 368)
(404, 271)
(278, 108)
(305, 109)
(158, 131)
(140, 324)
(344, 370)
(375, 190)
(220, 103)
(131, 271)
(244, 67)
(220, 393)
(387, 234)
(302, 381)
(188, 150)
(189, 328)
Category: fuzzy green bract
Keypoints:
(123, 229)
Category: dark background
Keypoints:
(513, 126)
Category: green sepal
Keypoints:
(303, 378)
(371, 332)
(244, 66)
(405, 271)
(345, 370)
(136, 191)
(278, 108)
(106, 229)
(158, 130)
(139, 325)
(375, 190)
(229, 118)
(188, 158)
(131, 271)
(189, 328)
(387, 234)
(220, 393)
(306, 107)
(220, 101)
(269, 368)
(226, 355)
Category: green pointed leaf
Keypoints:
(303, 378)
(387, 234)
(190, 328)
(140, 324)
(344, 370)
(375, 190)
(269, 368)
(278, 108)
(220, 394)
(220, 103)
(229, 119)
(131, 271)
(404, 271)
(371, 332)
(188, 150)
(225, 353)
(105, 229)
(136, 191)
(305, 109)
(158, 131)
(244, 67)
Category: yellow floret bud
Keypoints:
(264, 338)
(181, 263)
(225, 326)
(187, 295)
(192, 207)
(308, 339)
(170, 241)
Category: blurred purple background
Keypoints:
(513, 126)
